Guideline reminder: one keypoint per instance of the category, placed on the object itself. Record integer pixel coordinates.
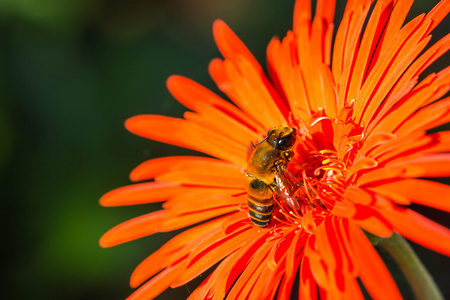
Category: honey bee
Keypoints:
(267, 174)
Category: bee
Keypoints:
(267, 174)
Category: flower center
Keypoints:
(319, 181)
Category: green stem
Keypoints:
(418, 277)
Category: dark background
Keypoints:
(71, 72)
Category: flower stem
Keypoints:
(417, 275)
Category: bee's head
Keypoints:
(282, 138)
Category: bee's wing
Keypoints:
(289, 188)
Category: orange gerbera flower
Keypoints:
(362, 151)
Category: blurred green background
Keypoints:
(71, 72)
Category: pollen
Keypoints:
(323, 176)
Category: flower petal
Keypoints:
(158, 284)
(198, 98)
(372, 221)
(133, 229)
(231, 46)
(308, 288)
(213, 254)
(373, 272)
(429, 117)
(209, 174)
(419, 229)
(429, 193)
(148, 192)
(252, 268)
(186, 134)
(177, 247)
(374, 29)
(203, 199)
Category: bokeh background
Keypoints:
(71, 72)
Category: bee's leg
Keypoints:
(288, 154)
(273, 186)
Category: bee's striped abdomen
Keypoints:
(260, 210)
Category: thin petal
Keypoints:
(373, 272)
(154, 167)
(372, 221)
(375, 26)
(431, 116)
(438, 13)
(178, 246)
(419, 229)
(308, 287)
(429, 193)
(230, 45)
(141, 193)
(211, 255)
(206, 174)
(173, 222)
(198, 98)
(158, 283)
(133, 229)
(185, 134)
(251, 268)
(203, 199)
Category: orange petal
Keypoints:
(198, 98)
(179, 221)
(349, 58)
(317, 266)
(343, 209)
(141, 193)
(398, 67)
(277, 254)
(249, 269)
(266, 289)
(400, 53)
(357, 195)
(239, 264)
(211, 286)
(158, 283)
(374, 28)
(212, 254)
(251, 88)
(293, 259)
(133, 229)
(205, 173)
(429, 90)
(186, 134)
(230, 45)
(431, 116)
(378, 175)
(419, 229)
(429, 193)
(203, 199)
(153, 167)
(284, 65)
(302, 18)
(325, 13)
(373, 272)
(438, 13)
(424, 61)
(396, 19)
(170, 252)
(343, 236)
(434, 165)
(308, 287)
(372, 221)
(223, 124)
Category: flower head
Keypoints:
(362, 155)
